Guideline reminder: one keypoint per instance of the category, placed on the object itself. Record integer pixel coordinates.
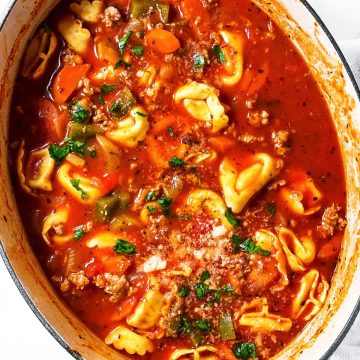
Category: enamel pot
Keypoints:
(325, 332)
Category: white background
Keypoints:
(22, 336)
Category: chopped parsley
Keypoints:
(107, 89)
(165, 203)
(236, 241)
(175, 161)
(170, 131)
(79, 232)
(185, 326)
(245, 350)
(235, 223)
(124, 247)
(205, 275)
(249, 247)
(201, 290)
(123, 41)
(77, 112)
(217, 294)
(184, 291)
(141, 114)
(151, 208)
(138, 50)
(220, 56)
(199, 61)
(101, 100)
(59, 153)
(76, 185)
(271, 208)
(203, 325)
(151, 195)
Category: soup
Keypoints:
(178, 176)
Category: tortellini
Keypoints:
(198, 354)
(148, 78)
(270, 242)
(311, 295)
(55, 223)
(234, 58)
(74, 34)
(86, 10)
(148, 311)
(239, 188)
(123, 338)
(83, 189)
(208, 201)
(38, 172)
(303, 198)
(132, 129)
(299, 252)
(201, 102)
(256, 315)
(38, 54)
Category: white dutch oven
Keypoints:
(325, 332)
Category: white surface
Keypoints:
(23, 336)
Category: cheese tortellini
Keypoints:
(311, 295)
(201, 102)
(83, 189)
(105, 239)
(132, 129)
(38, 54)
(240, 187)
(52, 231)
(303, 198)
(299, 252)
(75, 35)
(208, 201)
(86, 10)
(256, 315)
(38, 172)
(148, 311)
(197, 354)
(234, 58)
(123, 338)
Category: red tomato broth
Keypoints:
(277, 80)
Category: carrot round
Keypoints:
(66, 81)
(162, 40)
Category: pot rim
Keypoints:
(3, 18)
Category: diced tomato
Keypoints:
(125, 309)
(116, 264)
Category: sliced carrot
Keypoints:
(116, 264)
(67, 80)
(162, 40)
(331, 249)
(125, 309)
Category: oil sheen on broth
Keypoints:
(178, 176)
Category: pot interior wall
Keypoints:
(336, 86)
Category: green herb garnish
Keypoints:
(123, 41)
(203, 325)
(170, 130)
(205, 275)
(79, 232)
(141, 114)
(175, 161)
(76, 185)
(245, 350)
(236, 241)
(235, 223)
(249, 247)
(101, 100)
(123, 63)
(59, 153)
(107, 89)
(78, 113)
(184, 291)
(201, 290)
(151, 208)
(124, 247)
(151, 195)
(165, 203)
(138, 50)
(220, 56)
(199, 61)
